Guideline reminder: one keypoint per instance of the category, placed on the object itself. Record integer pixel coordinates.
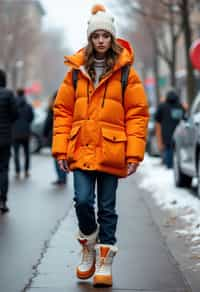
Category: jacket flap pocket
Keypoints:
(114, 135)
(74, 132)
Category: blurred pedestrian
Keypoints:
(21, 133)
(8, 114)
(99, 134)
(168, 115)
(47, 133)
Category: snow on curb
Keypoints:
(160, 182)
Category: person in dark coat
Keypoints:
(8, 114)
(47, 133)
(21, 133)
(168, 115)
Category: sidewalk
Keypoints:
(143, 263)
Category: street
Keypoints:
(35, 210)
(39, 252)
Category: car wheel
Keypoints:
(181, 180)
(35, 143)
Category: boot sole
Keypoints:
(85, 275)
(97, 285)
(102, 281)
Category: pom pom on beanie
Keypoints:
(100, 20)
(97, 7)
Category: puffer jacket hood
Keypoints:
(76, 61)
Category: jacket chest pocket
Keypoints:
(73, 144)
(113, 152)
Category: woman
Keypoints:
(99, 138)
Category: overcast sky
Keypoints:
(72, 16)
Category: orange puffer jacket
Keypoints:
(93, 130)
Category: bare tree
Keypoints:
(146, 34)
(175, 18)
(185, 8)
(52, 54)
(19, 37)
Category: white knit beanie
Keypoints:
(100, 19)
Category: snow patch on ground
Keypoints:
(160, 182)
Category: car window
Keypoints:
(39, 115)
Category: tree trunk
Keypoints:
(156, 69)
(13, 75)
(191, 86)
(172, 64)
(156, 73)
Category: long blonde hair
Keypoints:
(111, 57)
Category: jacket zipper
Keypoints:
(104, 95)
(88, 93)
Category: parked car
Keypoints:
(36, 140)
(186, 142)
(152, 146)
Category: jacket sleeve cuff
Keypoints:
(60, 156)
(133, 160)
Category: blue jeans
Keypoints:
(168, 156)
(60, 173)
(84, 186)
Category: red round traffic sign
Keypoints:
(195, 54)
